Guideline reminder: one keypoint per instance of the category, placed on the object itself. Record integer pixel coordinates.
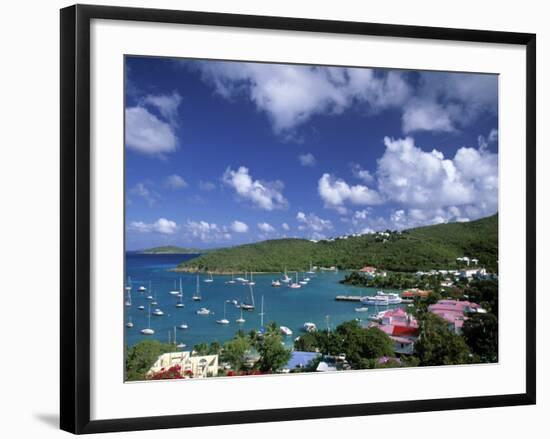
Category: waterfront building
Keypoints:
(196, 366)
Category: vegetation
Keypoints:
(362, 347)
(172, 249)
(140, 357)
(437, 344)
(481, 334)
(423, 248)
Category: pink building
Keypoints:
(453, 311)
(401, 327)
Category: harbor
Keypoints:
(155, 303)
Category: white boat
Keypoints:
(209, 279)
(142, 289)
(183, 326)
(276, 283)
(175, 291)
(141, 307)
(375, 300)
(158, 312)
(223, 321)
(296, 284)
(285, 278)
(393, 298)
(203, 312)
(241, 280)
(250, 305)
(128, 301)
(361, 309)
(251, 281)
(181, 345)
(197, 296)
(180, 303)
(148, 330)
(285, 330)
(232, 281)
(310, 327)
(129, 323)
(262, 314)
(128, 286)
(310, 269)
(240, 320)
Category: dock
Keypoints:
(349, 298)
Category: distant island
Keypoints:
(171, 249)
(423, 248)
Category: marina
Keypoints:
(213, 311)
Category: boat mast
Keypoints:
(262, 314)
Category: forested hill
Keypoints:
(421, 248)
(171, 249)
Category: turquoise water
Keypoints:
(286, 306)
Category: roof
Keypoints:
(300, 359)
(368, 269)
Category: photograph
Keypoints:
(294, 218)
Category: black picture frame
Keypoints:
(75, 217)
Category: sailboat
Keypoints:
(262, 314)
(210, 279)
(286, 279)
(249, 306)
(310, 269)
(223, 321)
(180, 304)
(175, 291)
(296, 284)
(197, 296)
(180, 345)
(240, 319)
(154, 301)
(129, 299)
(148, 330)
(251, 282)
(129, 284)
(232, 281)
(129, 323)
(276, 283)
(303, 281)
(149, 297)
(184, 326)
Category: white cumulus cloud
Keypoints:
(285, 227)
(266, 227)
(162, 225)
(175, 181)
(262, 194)
(239, 227)
(312, 222)
(147, 134)
(307, 159)
(336, 192)
(166, 104)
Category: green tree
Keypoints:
(235, 351)
(201, 349)
(481, 334)
(273, 355)
(437, 345)
(141, 356)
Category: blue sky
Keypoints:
(224, 153)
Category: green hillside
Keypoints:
(172, 249)
(421, 248)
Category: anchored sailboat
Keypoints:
(223, 321)
(249, 306)
(148, 330)
(180, 304)
(197, 296)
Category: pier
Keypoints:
(348, 298)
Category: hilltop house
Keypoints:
(415, 292)
(453, 311)
(401, 327)
(197, 366)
